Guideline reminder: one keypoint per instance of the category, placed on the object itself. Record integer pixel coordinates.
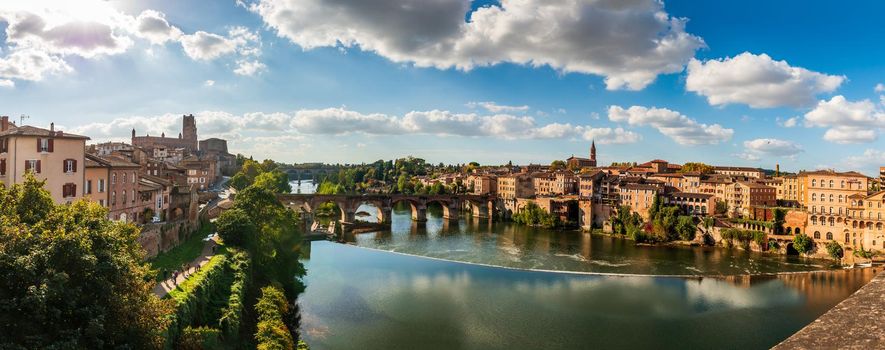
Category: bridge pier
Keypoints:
(385, 214)
(419, 213)
(451, 211)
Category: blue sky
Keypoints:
(746, 83)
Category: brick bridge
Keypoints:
(481, 206)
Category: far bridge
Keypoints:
(481, 206)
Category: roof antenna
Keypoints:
(21, 119)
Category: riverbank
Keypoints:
(854, 323)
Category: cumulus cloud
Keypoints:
(152, 26)
(628, 42)
(209, 82)
(207, 46)
(31, 64)
(868, 162)
(6, 83)
(791, 122)
(249, 68)
(341, 121)
(41, 34)
(496, 108)
(879, 88)
(680, 128)
(847, 121)
(757, 81)
(758, 148)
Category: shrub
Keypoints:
(232, 315)
(835, 250)
(193, 296)
(199, 338)
(802, 243)
(272, 333)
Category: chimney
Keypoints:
(51, 128)
(4, 123)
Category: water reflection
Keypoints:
(365, 299)
(483, 241)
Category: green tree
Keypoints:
(686, 228)
(721, 207)
(557, 165)
(275, 181)
(239, 181)
(835, 250)
(534, 215)
(236, 228)
(802, 243)
(696, 167)
(71, 278)
(779, 217)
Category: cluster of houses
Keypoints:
(846, 207)
(158, 182)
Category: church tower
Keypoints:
(189, 131)
(593, 152)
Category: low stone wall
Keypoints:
(855, 323)
(160, 237)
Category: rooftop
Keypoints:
(27, 130)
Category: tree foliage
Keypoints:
(70, 278)
(802, 243)
(834, 249)
(534, 215)
(696, 167)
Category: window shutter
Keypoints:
(64, 190)
(2, 166)
(75, 165)
(51, 145)
(73, 190)
(38, 166)
(38, 144)
(27, 166)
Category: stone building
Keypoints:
(639, 197)
(752, 173)
(186, 140)
(51, 155)
(578, 163)
(121, 196)
(831, 200)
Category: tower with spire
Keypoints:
(593, 153)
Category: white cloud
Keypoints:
(31, 64)
(628, 42)
(496, 108)
(680, 128)
(57, 30)
(848, 122)
(791, 122)
(340, 121)
(879, 88)
(152, 25)
(758, 81)
(758, 148)
(869, 161)
(6, 83)
(209, 82)
(249, 68)
(207, 46)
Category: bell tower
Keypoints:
(593, 152)
(189, 131)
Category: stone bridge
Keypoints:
(481, 206)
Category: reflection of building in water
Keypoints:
(821, 288)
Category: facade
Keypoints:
(186, 140)
(107, 148)
(483, 184)
(123, 200)
(50, 155)
(95, 187)
(752, 173)
(834, 202)
(200, 173)
(788, 189)
(693, 203)
(511, 187)
(639, 197)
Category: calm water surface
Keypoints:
(359, 298)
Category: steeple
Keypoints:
(593, 150)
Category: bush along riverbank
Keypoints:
(245, 297)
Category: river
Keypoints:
(441, 286)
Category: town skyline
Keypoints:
(303, 92)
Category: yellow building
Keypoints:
(50, 155)
(828, 199)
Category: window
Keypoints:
(4, 145)
(100, 185)
(831, 183)
(69, 190)
(840, 198)
(101, 202)
(842, 184)
(114, 179)
(133, 195)
(813, 183)
(124, 198)
(2, 166)
(816, 235)
(814, 197)
(69, 166)
(829, 235)
(133, 177)
(44, 145)
(88, 187)
(32, 165)
(123, 178)
(114, 198)
(831, 197)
